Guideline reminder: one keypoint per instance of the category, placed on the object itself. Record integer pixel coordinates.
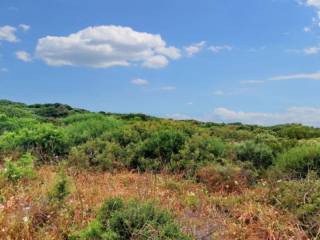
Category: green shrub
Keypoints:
(83, 127)
(156, 151)
(163, 144)
(60, 189)
(260, 154)
(197, 151)
(118, 220)
(21, 169)
(302, 198)
(45, 141)
(298, 161)
(99, 154)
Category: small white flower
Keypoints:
(25, 219)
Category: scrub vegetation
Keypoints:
(68, 173)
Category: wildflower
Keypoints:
(25, 219)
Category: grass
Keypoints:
(26, 212)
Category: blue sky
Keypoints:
(254, 61)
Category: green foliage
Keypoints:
(98, 154)
(45, 141)
(83, 127)
(56, 110)
(21, 169)
(302, 198)
(12, 109)
(60, 189)
(296, 131)
(118, 220)
(260, 154)
(198, 150)
(298, 161)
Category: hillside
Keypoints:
(69, 173)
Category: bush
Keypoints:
(45, 142)
(198, 150)
(84, 127)
(302, 198)
(298, 161)
(60, 189)
(260, 154)
(21, 169)
(156, 151)
(99, 154)
(123, 221)
(163, 144)
(225, 178)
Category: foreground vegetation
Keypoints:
(67, 173)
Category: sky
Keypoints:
(250, 61)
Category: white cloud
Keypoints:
(305, 115)
(106, 46)
(307, 29)
(311, 50)
(219, 93)
(23, 56)
(252, 81)
(217, 49)
(158, 61)
(24, 27)
(140, 82)
(194, 48)
(313, 3)
(168, 88)
(231, 93)
(315, 76)
(298, 76)
(7, 33)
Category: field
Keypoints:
(68, 173)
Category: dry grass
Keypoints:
(27, 214)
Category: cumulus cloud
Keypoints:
(24, 27)
(305, 115)
(106, 46)
(194, 48)
(157, 61)
(8, 33)
(23, 56)
(140, 82)
(217, 49)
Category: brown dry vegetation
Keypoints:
(27, 214)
